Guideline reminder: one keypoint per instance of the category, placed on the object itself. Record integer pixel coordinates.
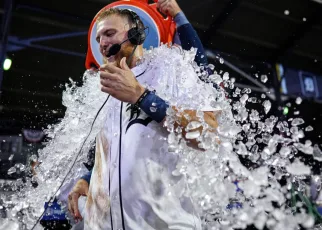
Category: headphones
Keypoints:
(136, 35)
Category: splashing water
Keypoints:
(271, 144)
(60, 152)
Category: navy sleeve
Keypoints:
(189, 38)
(87, 176)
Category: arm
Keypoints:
(80, 189)
(189, 38)
(185, 36)
(87, 176)
(121, 84)
(149, 98)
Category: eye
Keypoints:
(98, 39)
(109, 33)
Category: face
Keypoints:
(113, 30)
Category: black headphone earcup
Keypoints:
(136, 36)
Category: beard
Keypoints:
(125, 51)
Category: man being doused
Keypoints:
(157, 106)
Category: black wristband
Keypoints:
(144, 94)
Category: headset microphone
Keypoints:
(114, 49)
(117, 47)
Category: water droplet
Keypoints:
(10, 157)
(246, 90)
(33, 158)
(225, 76)
(286, 12)
(178, 129)
(285, 151)
(298, 100)
(241, 149)
(267, 106)
(187, 116)
(304, 19)
(297, 121)
(264, 78)
(221, 60)
(211, 66)
(192, 135)
(193, 125)
(298, 168)
(12, 170)
(20, 166)
(309, 128)
(153, 109)
(317, 153)
(252, 99)
(243, 99)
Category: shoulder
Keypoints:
(170, 55)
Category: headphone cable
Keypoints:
(50, 200)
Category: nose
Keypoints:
(104, 44)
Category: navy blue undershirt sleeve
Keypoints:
(87, 176)
(189, 38)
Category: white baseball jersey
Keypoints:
(132, 186)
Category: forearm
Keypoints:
(87, 176)
(189, 38)
(199, 124)
(182, 119)
(187, 116)
(81, 187)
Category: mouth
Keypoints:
(105, 52)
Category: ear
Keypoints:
(123, 64)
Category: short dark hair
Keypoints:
(131, 16)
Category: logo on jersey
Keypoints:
(135, 117)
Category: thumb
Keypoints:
(123, 64)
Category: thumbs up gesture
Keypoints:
(120, 83)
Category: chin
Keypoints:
(111, 59)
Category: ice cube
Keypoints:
(309, 129)
(298, 168)
(297, 121)
(298, 100)
(264, 78)
(267, 106)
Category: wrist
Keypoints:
(154, 106)
(175, 12)
(180, 19)
(139, 91)
(81, 187)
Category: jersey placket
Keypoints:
(114, 166)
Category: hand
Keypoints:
(169, 7)
(120, 83)
(80, 189)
